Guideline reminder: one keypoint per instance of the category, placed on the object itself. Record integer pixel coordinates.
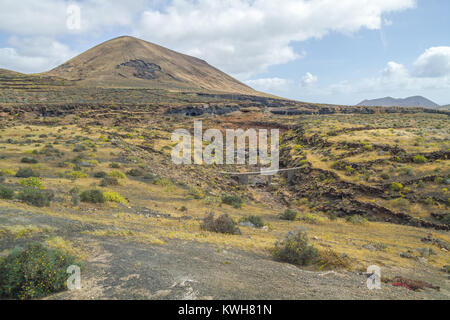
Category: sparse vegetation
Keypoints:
(356, 219)
(257, 221)
(289, 214)
(92, 196)
(26, 173)
(114, 197)
(295, 249)
(33, 272)
(223, 224)
(32, 182)
(6, 192)
(233, 200)
(35, 197)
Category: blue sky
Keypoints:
(324, 51)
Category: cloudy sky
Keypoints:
(312, 50)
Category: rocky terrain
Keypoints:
(86, 175)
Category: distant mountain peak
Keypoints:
(414, 101)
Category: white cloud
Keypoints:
(268, 84)
(430, 72)
(433, 63)
(49, 17)
(241, 37)
(35, 54)
(308, 79)
(246, 37)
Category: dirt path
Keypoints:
(121, 269)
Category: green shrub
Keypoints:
(349, 170)
(233, 200)
(76, 175)
(289, 214)
(295, 249)
(32, 182)
(446, 219)
(26, 173)
(329, 259)
(311, 218)
(114, 165)
(439, 180)
(419, 159)
(80, 148)
(197, 193)
(162, 182)
(6, 193)
(400, 202)
(7, 172)
(356, 219)
(385, 176)
(257, 221)
(114, 197)
(406, 171)
(135, 173)
(117, 174)
(35, 197)
(28, 160)
(34, 272)
(149, 176)
(100, 174)
(223, 224)
(109, 181)
(396, 186)
(92, 196)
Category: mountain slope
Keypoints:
(416, 101)
(131, 62)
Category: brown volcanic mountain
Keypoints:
(131, 62)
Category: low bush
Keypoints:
(233, 200)
(35, 197)
(26, 173)
(197, 193)
(28, 160)
(330, 259)
(396, 186)
(135, 173)
(356, 219)
(311, 218)
(117, 174)
(6, 192)
(32, 182)
(429, 201)
(33, 272)
(223, 224)
(76, 175)
(164, 182)
(385, 176)
(255, 220)
(7, 172)
(92, 196)
(114, 197)
(419, 159)
(114, 165)
(295, 249)
(289, 214)
(100, 174)
(109, 181)
(400, 202)
(446, 219)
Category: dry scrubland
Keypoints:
(373, 190)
